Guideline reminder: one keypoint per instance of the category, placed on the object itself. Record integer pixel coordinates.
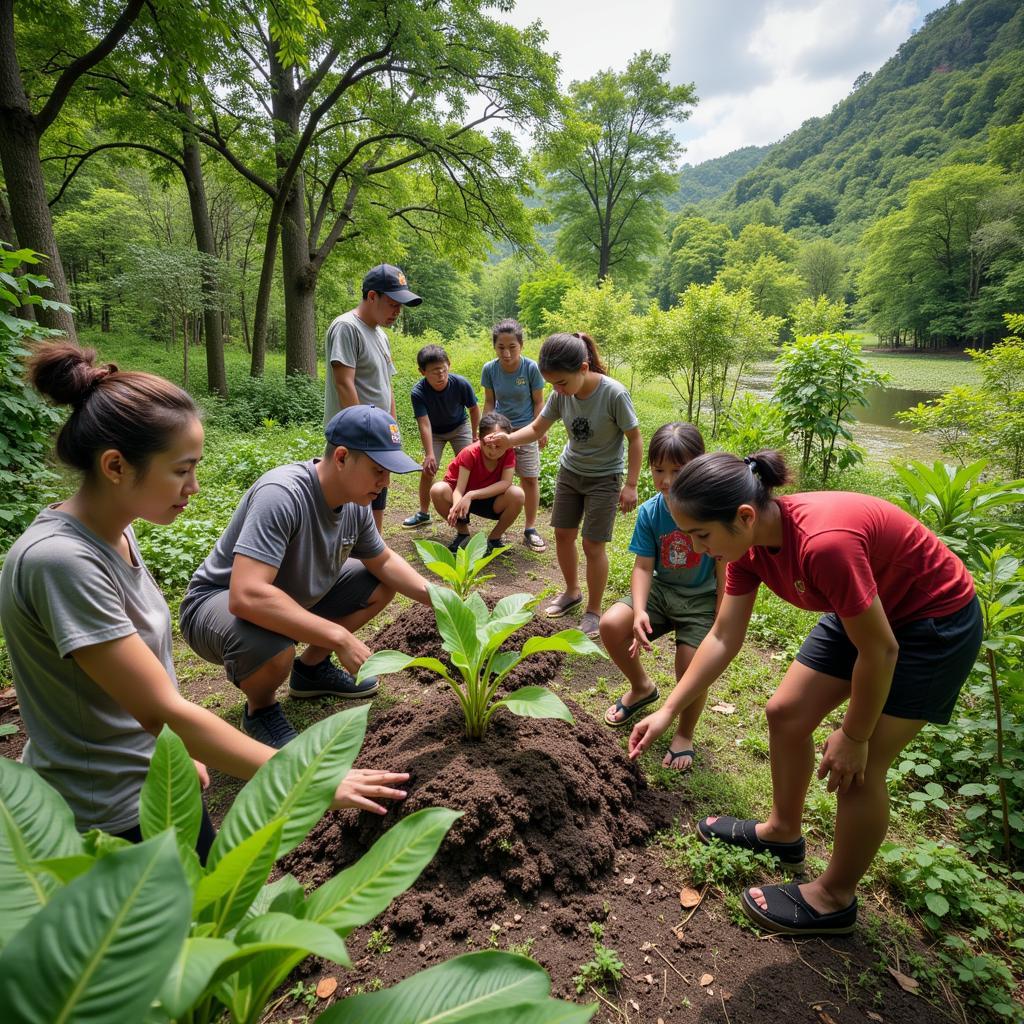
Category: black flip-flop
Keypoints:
(631, 709)
(743, 832)
(673, 754)
(556, 610)
(789, 913)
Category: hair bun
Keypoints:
(64, 372)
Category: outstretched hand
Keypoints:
(499, 439)
(359, 788)
(843, 760)
(646, 731)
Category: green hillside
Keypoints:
(929, 105)
(713, 178)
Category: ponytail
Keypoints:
(568, 352)
(712, 487)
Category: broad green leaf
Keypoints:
(96, 843)
(100, 950)
(284, 896)
(475, 549)
(297, 784)
(385, 662)
(35, 824)
(513, 603)
(475, 603)
(503, 661)
(535, 702)
(432, 551)
(937, 903)
(447, 572)
(360, 892)
(65, 869)
(191, 973)
(226, 892)
(497, 631)
(549, 1011)
(457, 626)
(568, 640)
(170, 795)
(282, 931)
(488, 983)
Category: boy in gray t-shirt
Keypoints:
(302, 561)
(358, 354)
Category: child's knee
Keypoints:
(441, 493)
(515, 496)
(593, 548)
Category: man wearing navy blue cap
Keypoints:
(302, 562)
(359, 364)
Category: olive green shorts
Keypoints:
(690, 615)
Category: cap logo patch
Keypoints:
(401, 279)
(395, 436)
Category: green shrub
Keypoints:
(254, 400)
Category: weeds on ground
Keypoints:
(604, 970)
(723, 867)
(377, 944)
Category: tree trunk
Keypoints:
(19, 155)
(300, 279)
(216, 376)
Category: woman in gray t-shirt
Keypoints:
(86, 627)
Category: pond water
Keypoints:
(882, 404)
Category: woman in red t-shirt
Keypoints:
(900, 635)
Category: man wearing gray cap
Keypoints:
(359, 365)
(301, 561)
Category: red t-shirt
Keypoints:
(472, 457)
(840, 549)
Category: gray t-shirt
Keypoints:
(595, 426)
(63, 588)
(284, 521)
(351, 343)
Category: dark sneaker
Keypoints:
(268, 725)
(416, 519)
(460, 540)
(327, 680)
(493, 545)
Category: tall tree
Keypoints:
(376, 117)
(611, 163)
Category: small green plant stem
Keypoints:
(990, 657)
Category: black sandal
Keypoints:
(743, 832)
(673, 754)
(630, 709)
(789, 913)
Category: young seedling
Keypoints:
(473, 637)
(463, 570)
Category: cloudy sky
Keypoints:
(761, 67)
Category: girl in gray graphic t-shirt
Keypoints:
(86, 627)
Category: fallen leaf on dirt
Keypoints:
(874, 1016)
(826, 1018)
(706, 979)
(910, 985)
(635, 1005)
(724, 708)
(688, 897)
(325, 987)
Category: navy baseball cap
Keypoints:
(366, 428)
(390, 281)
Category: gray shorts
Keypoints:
(459, 438)
(241, 646)
(592, 499)
(528, 460)
(690, 615)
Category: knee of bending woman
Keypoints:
(789, 717)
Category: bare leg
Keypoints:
(683, 738)
(596, 554)
(568, 562)
(531, 489)
(617, 635)
(379, 600)
(426, 481)
(862, 820)
(378, 518)
(508, 505)
(441, 495)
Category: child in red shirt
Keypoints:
(479, 482)
(900, 635)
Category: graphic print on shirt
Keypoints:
(581, 429)
(677, 551)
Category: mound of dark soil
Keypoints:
(547, 806)
(415, 632)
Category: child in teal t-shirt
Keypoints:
(673, 588)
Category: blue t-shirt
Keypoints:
(513, 392)
(446, 409)
(675, 562)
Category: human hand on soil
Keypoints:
(430, 464)
(627, 499)
(204, 775)
(843, 760)
(646, 731)
(352, 652)
(361, 785)
(459, 510)
(499, 439)
(642, 629)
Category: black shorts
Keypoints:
(381, 501)
(936, 656)
(483, 507)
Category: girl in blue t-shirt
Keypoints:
(673, 588)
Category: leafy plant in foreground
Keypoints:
(94, 928)
(463, 570)
(473, 637)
